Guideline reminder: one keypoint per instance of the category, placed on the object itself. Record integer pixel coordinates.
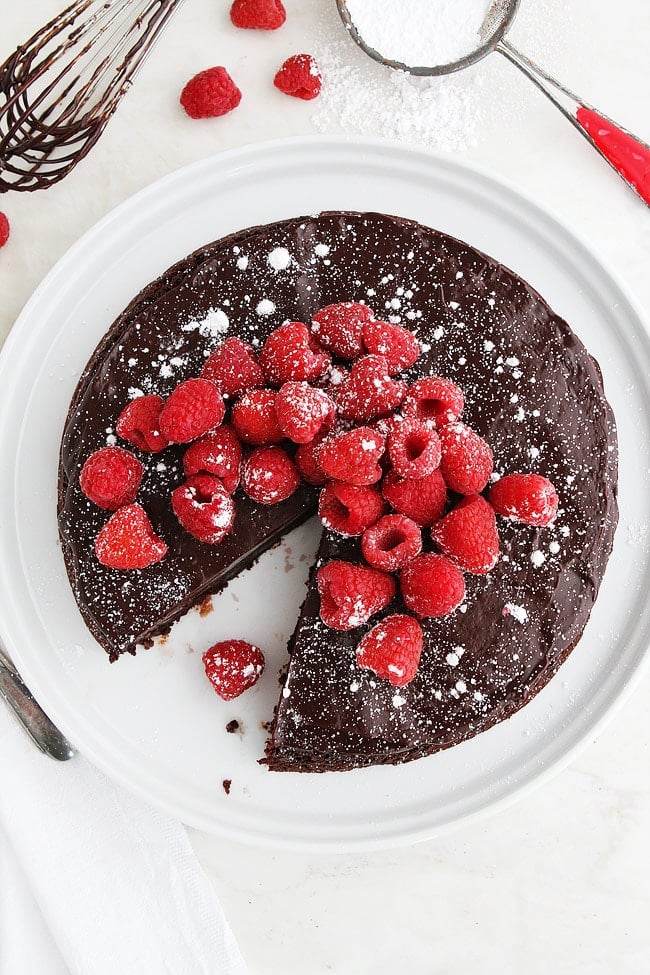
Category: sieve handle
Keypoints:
(625, 153)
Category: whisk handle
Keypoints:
(624, 152)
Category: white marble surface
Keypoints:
(560, 882)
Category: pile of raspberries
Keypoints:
(396, 467)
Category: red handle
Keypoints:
(628, 156)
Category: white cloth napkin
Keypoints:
(95, 882)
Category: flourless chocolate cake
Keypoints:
(531, 390)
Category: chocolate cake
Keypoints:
(532, 391)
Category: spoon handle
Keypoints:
(31, 716)
(625, 153)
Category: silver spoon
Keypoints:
(625, 153)
(31, 716)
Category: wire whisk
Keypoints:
(59, 90)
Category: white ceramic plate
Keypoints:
(153, 722)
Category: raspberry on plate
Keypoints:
(233, 368)
(399, 347)
(254, 417)
(300, 77)
(110, 478)
(468, 535)
(391, 542)
(128, 541)
(139, 424)
(353, 456)
(269, 475)
(339, 328)
(232, 666)
(5, 229)
(423, 500)
(414, 449)
(436, 400)
(218, 454)
(210, 94)
(303, 411)
(193, 408)
(369, 391)
(292, 353)
(350, 594)
(349, 509)
(528, 498)
(258, 14)
(392, 649)
(204, 508)
(467, 460)
(432, 586)
(307, 461)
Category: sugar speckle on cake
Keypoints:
(279, 258)
(265, 307)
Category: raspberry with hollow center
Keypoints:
(349, 509)
(232, 666)
(392, 649)
(233, 368)
(210, 94)
(391, 542)
(128, 541)
(303, 411)
(398, 346)
(194, 407)
(422, 500)
(139, 424)
(528, 498)
(291, 353)
(433, 399)
(300, 77)
(468, 535)
(353, 456)
(350, 594)
(204, 508)
(110, 478)
(467, 460)
(414, 449)
(269, 475)
(254, 417)
(339, 328)
(258, 14)
(369, 391)
(218, 454)
(432, 586)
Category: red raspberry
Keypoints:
(436, 400)
(468, 535)
(300, 77)
(350, 594)
(414, 449)
(204, 508)
(127, 540)
(258, 14)
(340, 328)
(194, 407)
(422, 500)
(292, 353)
(392, 542)
(233, 666)
(303, 411)
(218, 454)
(269, 475)
(369, 391)
(432, 586)
(5, 229)
(399, 347)
(529, 498)
(349, 509)
(307, 461)
(210, 93)
(467, 460)
(353, 456)
(110, 478)
(234, 368)
(139, 423)
(392, 649)
(254, 417)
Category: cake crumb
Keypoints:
(226, 786)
